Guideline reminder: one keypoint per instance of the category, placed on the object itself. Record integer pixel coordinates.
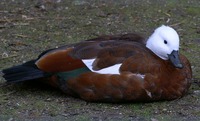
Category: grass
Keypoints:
(27, 30)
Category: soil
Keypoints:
(28, 27)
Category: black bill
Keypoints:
(174, 58)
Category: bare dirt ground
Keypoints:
(28, 27)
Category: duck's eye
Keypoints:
(165, 41)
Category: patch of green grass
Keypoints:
(193, 10)
(82, 118)
(143, 110)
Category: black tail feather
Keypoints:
(25, 72)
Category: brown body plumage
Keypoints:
(143, 75)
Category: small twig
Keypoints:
(6, 57)
(176, 24)
(20, 35)
(8, 20)
(168, 20)
(21, 24)
(69, 114)
(167, 14)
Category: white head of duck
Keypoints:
(164, 42)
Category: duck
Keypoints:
(113, 68)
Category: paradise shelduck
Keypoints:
(117, 68)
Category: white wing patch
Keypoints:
(109, 70)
